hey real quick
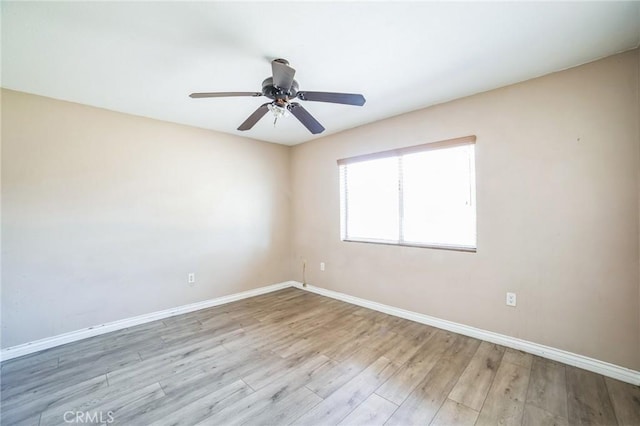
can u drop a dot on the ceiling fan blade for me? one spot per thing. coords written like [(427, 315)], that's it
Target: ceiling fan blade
[(253, 118), (282, 74), (336, 98), (305, 118), (223, 94)]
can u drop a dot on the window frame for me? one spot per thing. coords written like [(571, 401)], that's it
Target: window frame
[(398, 152)]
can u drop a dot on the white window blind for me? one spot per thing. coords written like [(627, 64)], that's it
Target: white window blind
[(419, 196)]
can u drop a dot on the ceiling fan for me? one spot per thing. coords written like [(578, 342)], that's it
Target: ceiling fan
[(283, 89)]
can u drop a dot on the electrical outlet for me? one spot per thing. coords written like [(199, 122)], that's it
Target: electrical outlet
[(511, 299), (191, 279), (322, 266)]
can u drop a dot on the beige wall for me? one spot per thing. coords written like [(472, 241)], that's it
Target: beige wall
[(104, 215), (557, 162)]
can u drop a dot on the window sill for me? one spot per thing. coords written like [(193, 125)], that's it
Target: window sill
[(467, 249)]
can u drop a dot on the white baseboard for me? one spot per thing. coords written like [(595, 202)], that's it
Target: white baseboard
[(601, 367), (61, 339)]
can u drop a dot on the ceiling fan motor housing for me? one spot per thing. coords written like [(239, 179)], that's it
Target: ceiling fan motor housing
[(278, 93)]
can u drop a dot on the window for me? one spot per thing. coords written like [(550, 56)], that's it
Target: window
[(417, 196)]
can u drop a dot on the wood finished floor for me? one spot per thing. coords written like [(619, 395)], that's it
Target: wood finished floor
[(292, 357)]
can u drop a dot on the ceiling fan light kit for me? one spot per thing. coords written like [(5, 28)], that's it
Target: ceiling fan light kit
[(282, 89)]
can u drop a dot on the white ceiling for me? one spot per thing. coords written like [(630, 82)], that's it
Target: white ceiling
[(144, 58)]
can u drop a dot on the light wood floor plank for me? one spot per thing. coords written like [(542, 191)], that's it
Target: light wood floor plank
[(339, 404), (423, 403), (204, 407), (547, 387), (101, 405), (516, 357), (52, 379), (135, 408), (505, 402), (454, 413), (475, 381), (155, 410), (341, 373), (33, 420), (401, 384), (374, 411), (588, 399), (151, 369), (24, 406), (404, 347), (626, 401), (269, 397), (29, 365), (534, 416), (223, 370), (288, 410)]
